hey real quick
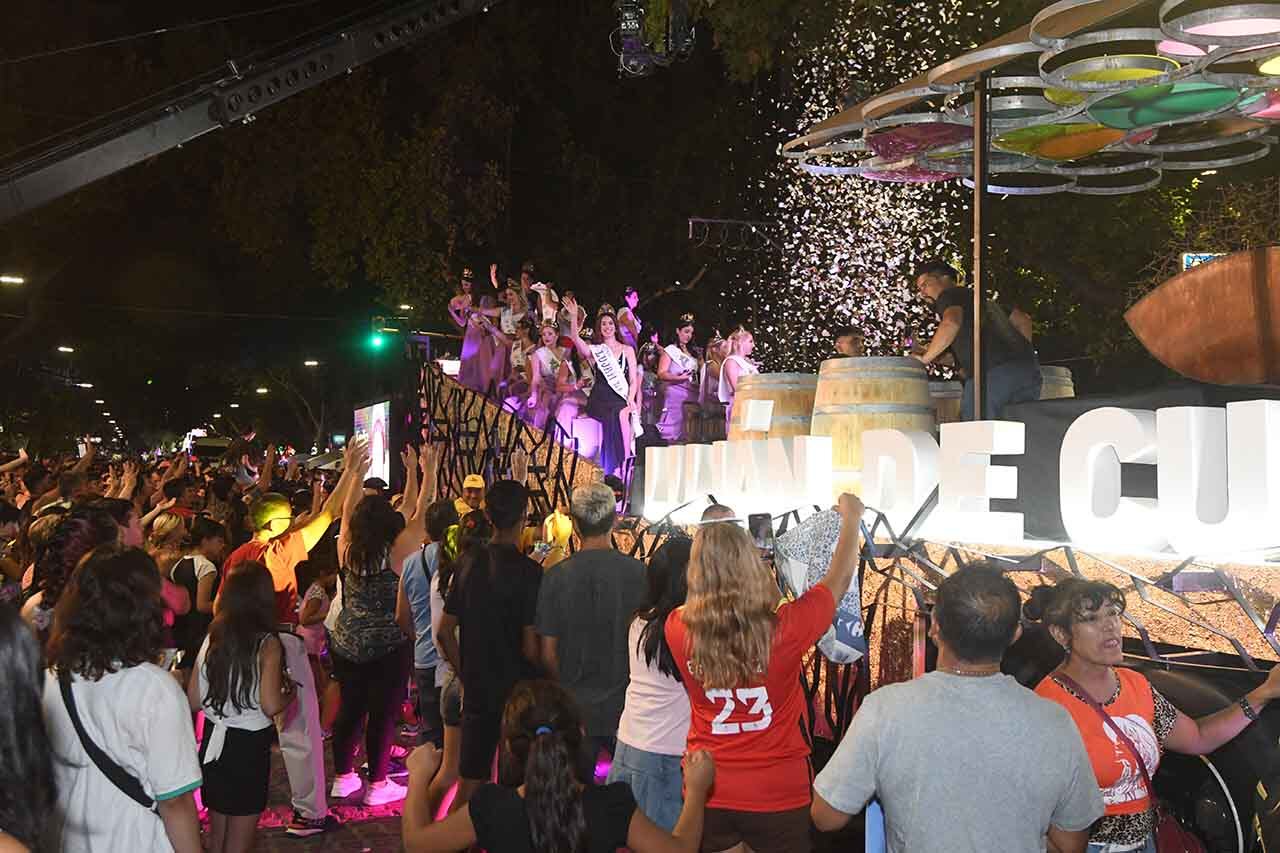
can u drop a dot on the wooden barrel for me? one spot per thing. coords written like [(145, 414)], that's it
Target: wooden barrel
[(792, 395), (946, 397), (858, 394), (1056, 382)]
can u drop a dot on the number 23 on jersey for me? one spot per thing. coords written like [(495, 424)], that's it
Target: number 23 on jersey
[(758, 711)]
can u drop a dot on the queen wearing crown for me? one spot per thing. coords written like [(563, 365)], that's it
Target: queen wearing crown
[(678, 373), (615, 395)]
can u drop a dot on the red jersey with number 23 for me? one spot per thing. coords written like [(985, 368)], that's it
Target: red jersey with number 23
[(753, 731)]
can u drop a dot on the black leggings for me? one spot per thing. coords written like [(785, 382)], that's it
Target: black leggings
[(375, 688)]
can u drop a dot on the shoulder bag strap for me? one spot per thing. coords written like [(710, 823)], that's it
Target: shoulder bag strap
[(119, 777), (1106, 718)]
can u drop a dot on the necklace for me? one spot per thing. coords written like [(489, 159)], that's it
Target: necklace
[(970, 673)]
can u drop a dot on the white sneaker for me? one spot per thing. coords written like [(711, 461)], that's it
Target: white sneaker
[(386, 791), (345, 784)]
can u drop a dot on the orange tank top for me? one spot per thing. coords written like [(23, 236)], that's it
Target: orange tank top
[(1124, 790)]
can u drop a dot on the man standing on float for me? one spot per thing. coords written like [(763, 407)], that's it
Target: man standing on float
[(1013, 371)]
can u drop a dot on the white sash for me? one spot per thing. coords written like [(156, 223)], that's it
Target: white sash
[(605, 360), (684, 361)]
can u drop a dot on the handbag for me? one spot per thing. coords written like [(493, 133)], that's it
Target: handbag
[(121, 778), (1171, 836)]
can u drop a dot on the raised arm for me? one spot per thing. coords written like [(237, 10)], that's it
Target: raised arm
[(575, 326), (268, 470), (840, 573), (355, 463), (415, 529), (15, 464), (409, 499)]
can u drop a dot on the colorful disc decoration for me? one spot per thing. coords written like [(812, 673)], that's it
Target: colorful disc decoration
[(1264, 107), (907, 139), (1164, 104), (906, 172), (1202, 134), (1130, 68), (1059, 142)]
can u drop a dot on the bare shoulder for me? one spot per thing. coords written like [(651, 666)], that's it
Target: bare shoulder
[(9, 844)]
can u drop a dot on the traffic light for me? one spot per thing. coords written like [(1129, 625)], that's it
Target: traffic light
[(376, 341)]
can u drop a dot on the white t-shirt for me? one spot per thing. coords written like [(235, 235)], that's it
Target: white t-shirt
[(203, 567), (655, 717), (248, 719), (140, 719), (443, 670), (335, 608)]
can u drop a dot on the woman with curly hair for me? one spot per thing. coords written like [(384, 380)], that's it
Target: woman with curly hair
[(551, 805), (1125, 722), (739, 655), (27, 791), (371, 654), (107, 630), (74, 536)]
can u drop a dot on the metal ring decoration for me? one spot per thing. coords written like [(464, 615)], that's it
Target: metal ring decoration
[(1124, 189), (998, 161), (822, 170), (981, 56), (1262, 149), (1201, 145), (802, 146), (1151, 163), (892, 100), (1052, 11), (1235, 79), (899, 119), (1003, 189), (1201, 116), (1053, 114), (1059, 78), (853, 146), (1180, 28)]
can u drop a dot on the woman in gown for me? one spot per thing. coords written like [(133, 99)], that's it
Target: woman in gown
[(677, 381), (616, 392), (628, 322), (483, 357), (736, 366), (550, 376), (711, 421)]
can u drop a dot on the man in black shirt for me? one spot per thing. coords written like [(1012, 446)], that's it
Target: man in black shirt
[(1013, 372), (493, 603)]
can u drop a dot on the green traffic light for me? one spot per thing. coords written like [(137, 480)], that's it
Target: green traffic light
[(376, 341)]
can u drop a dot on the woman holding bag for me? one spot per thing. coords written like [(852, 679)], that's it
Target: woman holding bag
[(1125, 723)]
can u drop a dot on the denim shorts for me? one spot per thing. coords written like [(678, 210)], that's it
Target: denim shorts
[(655, 782), (451, 701)]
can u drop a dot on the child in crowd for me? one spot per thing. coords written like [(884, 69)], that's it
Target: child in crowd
[(318, 581), (240, 685), (555, 807)]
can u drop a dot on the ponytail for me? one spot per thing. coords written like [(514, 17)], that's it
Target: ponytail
[(556, 820), (543, 745)]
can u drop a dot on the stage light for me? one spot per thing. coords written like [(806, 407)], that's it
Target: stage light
[(66, 349), (84, 384), (260, 390), (311, 362)]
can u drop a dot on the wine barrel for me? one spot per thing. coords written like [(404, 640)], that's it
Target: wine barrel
[(946, 397), (1056, 382), (792, 395), (858, 394)]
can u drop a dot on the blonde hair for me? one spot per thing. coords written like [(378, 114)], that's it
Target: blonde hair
[(736, 339), (730, 612), (166, 529)]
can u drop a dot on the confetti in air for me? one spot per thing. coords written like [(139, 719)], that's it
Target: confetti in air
[(848, 244)]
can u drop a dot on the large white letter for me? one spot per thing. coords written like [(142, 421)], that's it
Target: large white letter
[(1093, 510), (899, 470), (1219, 476), (967, 481)]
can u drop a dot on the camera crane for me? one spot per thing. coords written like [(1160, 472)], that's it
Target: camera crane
[(218, 99)]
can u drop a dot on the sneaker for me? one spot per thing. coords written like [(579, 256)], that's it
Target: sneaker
[(386, 791), (344, 785), (305, 827)]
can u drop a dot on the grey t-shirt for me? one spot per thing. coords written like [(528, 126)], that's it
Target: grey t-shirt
[(586, 603), (964, 763)]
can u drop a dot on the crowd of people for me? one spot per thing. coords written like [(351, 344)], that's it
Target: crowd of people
[(167, 625)]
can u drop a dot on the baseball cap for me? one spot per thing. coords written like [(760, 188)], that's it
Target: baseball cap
[(376, 483), (473, 481)]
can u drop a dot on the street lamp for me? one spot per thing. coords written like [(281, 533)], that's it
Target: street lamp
[(235, 405), (311, 362), (99, 402), (406, 307), (12, 279), (260, 390), (84, 384), (106, 414), (66, 349), (217, 414)]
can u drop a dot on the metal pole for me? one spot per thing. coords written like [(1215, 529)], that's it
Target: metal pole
[(981, 135)]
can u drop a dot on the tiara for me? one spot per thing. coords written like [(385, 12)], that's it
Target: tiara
[(605, 309), (686, 319), (467, 273)]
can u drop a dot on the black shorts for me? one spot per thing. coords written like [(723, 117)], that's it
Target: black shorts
[(763, 832), (480, 733), (236, 783)]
